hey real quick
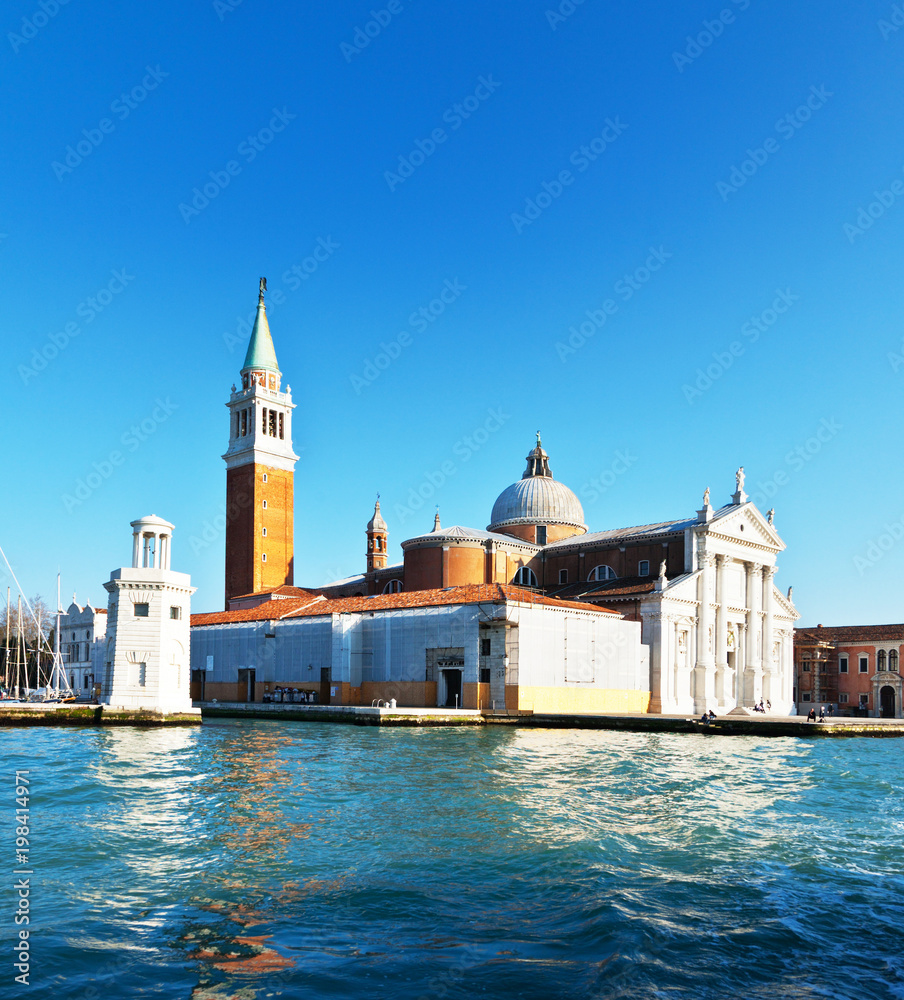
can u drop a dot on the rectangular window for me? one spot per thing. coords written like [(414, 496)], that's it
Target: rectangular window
[(142, 674), (484, 647), (643, 567), (864, 701), (563, 576), (281, 428), (265, 477), (142, 610), (265, 505), (842, 664), (806, 696), (843, 698), (805, 666), (822, 668), (484, 675), (271, 418), (244, 428), (541, 534), (864, 664), (263, 557), (175, 613), (263, 532)]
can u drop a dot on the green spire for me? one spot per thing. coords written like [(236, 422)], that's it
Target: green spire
[(261, 356)]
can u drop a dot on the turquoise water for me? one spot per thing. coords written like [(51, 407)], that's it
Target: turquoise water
[(265, 859)]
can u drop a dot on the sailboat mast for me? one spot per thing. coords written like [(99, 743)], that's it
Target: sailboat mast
[(6, 656), (18, 642)]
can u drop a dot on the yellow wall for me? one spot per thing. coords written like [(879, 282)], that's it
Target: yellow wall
[(574, 700)]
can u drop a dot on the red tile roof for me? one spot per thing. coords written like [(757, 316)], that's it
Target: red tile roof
[(284, 591), (850, 635), (472, 594)]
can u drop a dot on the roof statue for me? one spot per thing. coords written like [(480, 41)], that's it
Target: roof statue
[(739, 478), (662, 568), (706, 497), (770, 515)]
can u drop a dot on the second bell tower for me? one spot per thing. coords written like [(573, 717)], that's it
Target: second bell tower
[(260, 469)]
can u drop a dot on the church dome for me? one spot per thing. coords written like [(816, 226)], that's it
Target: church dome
[(537, 498)]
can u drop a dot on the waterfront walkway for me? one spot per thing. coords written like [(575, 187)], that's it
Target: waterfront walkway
[(727, 725)]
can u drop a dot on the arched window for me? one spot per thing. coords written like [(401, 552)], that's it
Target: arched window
[(393, 587), (602, 573), (880, 660), (892, 659), (525, 577)]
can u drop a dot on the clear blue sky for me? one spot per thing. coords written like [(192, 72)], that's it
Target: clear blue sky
[(304, 137)]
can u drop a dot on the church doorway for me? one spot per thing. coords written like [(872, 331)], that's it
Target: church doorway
[(452, 685), (887, 702)]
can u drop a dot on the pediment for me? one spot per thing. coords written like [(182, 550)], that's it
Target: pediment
[(746, 526)]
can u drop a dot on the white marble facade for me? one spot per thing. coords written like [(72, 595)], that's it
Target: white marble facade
[(721, 634)]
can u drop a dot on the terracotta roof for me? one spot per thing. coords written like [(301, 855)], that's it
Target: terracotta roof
[(592, 590), (472, 594), (285, 591), (850, 635)]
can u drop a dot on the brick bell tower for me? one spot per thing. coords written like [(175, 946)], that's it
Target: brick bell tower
[(260, 466)]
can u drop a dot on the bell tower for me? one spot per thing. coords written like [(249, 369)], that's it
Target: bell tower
[(377, 539), (260, 469)]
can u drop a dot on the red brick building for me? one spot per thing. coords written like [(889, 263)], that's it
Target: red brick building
[(853, 668)]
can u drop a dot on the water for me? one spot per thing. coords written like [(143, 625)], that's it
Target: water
[(265, 859)]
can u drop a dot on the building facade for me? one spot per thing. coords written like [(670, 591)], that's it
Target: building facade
[(482, 647), (83, 643), (855, 669)]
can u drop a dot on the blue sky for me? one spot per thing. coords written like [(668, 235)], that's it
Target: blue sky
[(717, 197)]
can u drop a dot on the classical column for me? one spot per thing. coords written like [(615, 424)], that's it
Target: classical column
[(704, 687), (721, 632), (136, 549), (753, 666), (770, 685)]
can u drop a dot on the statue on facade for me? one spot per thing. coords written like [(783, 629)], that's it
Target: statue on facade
[(770, 515), (706, 497), (790, 593), (739, 479), (662, 569)]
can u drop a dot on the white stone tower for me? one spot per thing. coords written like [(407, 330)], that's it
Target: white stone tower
[(148, 626)]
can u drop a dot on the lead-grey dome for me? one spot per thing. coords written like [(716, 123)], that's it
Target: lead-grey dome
[(537, 498)]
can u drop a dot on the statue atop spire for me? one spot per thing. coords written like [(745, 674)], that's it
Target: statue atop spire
[(537, 462), (263, 288)]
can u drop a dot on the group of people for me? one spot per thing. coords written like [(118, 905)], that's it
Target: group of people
[(760, 707), (823, 714), (291, 694)]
